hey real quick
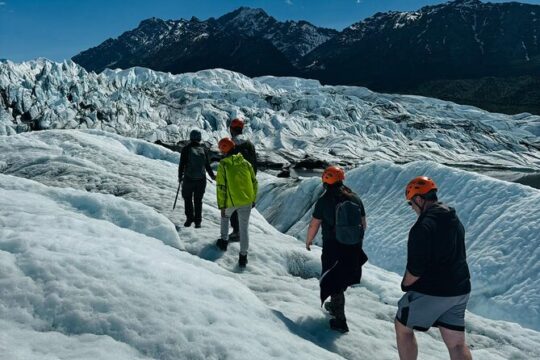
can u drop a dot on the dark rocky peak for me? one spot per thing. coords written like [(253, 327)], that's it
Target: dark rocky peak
[(461, 3), (248, 20)]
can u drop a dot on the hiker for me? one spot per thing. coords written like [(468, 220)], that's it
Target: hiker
[(247, 149), (236, 190), (437, 280), (194, 164), (343, 218)]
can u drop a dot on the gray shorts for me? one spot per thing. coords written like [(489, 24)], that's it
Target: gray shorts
[(420, 311)]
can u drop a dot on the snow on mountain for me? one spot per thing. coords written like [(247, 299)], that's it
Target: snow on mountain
[(83, 279), (501, 219), (289, 119)]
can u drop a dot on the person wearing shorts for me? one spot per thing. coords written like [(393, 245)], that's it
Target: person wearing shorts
[(437, 279)]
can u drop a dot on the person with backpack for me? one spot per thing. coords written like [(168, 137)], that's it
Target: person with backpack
[(342, 216), (247, 149), (437, 279), (236, 190), (194, 164)]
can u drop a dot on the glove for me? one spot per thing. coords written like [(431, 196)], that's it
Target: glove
[(180, 178), (213, 177), (252, 205)]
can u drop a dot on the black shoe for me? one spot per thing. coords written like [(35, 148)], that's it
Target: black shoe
[(188, 223), (242, 261), (234, 237), (197, 225), (330, 308), (339, 325), (222, 244)]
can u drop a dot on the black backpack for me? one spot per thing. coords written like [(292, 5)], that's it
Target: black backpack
[(348, 225), (247, 149), (196, 162)]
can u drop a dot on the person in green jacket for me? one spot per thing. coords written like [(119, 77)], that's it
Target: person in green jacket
[(236, 189)]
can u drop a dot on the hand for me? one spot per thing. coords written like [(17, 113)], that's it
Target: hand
[(213, 177), (309, 242), (222, 212)]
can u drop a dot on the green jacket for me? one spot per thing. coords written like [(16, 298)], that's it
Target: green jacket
[(236, 184)]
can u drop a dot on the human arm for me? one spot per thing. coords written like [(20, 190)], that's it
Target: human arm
[(408, 279), (221, 187), (253, 156), (209, 169), (255, 184), (312, 231), (418, 255), (183, 162)]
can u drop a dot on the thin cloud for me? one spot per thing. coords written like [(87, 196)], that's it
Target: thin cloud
[(289, 2), (2, 3)]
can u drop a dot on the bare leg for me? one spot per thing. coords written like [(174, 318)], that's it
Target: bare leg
[(406, 342), (455, 342)]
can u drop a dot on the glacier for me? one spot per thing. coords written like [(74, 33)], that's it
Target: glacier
[(289, 119), (93, 267)]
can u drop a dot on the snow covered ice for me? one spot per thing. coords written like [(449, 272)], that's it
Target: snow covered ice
[(91, 266)]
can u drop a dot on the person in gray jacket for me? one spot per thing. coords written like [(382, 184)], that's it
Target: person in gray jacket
[(194, 164)]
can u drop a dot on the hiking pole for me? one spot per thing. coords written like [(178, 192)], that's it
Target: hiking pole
[(177, 191)]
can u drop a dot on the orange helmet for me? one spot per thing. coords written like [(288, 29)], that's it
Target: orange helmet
[(225, 145), (420, 185), (237, 123), (333, 174)]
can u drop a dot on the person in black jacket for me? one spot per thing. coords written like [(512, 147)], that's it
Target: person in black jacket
[(247, 149), (341, 264), (194, 164), (437, 278)]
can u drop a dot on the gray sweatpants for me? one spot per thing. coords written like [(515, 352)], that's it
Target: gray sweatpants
[(243, 222)]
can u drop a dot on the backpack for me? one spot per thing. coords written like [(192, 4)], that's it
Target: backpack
[(348, 224), (248, 152), (196, 163)]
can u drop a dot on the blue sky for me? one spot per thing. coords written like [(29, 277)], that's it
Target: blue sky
[(59, 29)]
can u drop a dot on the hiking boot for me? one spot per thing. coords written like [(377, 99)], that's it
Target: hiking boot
[(197, 225), (222, 244), (242, 261), (328, 306), (234, 237), (188, 223), (339, 325)]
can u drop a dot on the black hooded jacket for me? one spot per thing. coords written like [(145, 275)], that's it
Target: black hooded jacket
[(341, 264), (436, 253)]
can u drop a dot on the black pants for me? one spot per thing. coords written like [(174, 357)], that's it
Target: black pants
[(338, 304), (234, 222), (193, 192)]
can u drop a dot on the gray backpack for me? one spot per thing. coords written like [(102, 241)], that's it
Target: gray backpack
[(348, 226), (195, 167)]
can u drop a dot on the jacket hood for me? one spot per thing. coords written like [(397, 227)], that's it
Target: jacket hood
[(441, 211), (233, 159)]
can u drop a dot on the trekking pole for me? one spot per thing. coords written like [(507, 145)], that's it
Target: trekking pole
[(177, 191)]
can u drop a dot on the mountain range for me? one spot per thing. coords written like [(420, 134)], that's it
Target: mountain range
[(476, 53)]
